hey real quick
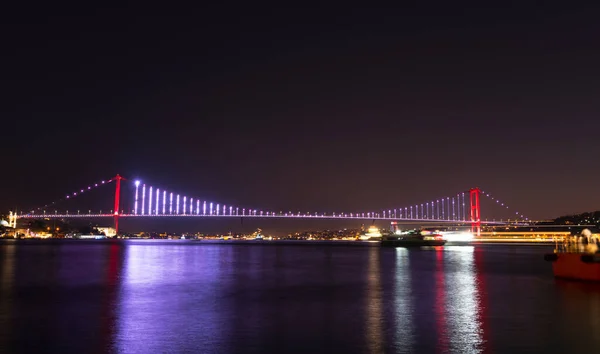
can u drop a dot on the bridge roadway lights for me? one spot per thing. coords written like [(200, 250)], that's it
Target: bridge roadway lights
[(328, 217)]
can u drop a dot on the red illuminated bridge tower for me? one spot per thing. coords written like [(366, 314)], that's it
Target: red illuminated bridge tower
[(117, 180), (475, 211)]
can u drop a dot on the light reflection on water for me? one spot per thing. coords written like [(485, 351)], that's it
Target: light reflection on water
[(374, 305), (170, 295), (441, 314), (403, 319), (461, 302)]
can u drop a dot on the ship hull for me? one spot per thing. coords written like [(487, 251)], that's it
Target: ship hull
[(412, 243), (575, 266)]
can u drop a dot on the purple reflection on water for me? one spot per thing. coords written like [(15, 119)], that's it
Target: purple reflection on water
[(170, 299)]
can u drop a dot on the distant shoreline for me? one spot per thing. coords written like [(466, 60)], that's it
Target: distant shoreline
[(252, 242)]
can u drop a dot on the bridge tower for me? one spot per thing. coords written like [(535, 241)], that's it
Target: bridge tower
[(117, 180), (475, 211)]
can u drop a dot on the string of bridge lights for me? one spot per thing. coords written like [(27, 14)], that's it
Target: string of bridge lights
[(155, 201), (151, 201), (74, 194), (445, 208), (500, 203)]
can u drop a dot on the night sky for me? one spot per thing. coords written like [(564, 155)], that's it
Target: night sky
[(314, 109)]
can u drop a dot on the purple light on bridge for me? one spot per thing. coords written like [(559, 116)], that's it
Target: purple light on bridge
[(457, 207), (184, 204), (210, 210), (177, 205), (217, 209), (164, 200), (230, 210), (243, 211), (204, 208), (191, 206), (443, 208), (198, 207), (453, 210), (143, 197), (157, 198), (224, 210), (135, 207), (150, 201), (171, 203), (237, 211)]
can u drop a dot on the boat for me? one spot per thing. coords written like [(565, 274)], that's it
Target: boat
[(372, 234), (576, 261), (257, 236), (412, 238)]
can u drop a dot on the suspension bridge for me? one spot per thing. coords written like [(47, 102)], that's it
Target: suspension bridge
[(150, 201)]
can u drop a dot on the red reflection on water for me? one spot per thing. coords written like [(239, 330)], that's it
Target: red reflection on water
[(482, 301), (440, 301), (114, 266)]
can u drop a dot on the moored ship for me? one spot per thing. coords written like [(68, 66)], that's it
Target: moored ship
[(412, 238), (577, 259)]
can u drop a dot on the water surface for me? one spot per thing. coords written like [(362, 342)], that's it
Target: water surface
[(186, 296)]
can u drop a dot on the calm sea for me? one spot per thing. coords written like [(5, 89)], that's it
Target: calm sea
[(194, 297)]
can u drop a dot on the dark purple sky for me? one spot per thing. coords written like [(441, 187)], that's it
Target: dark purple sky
[(325, 109)]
